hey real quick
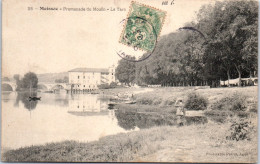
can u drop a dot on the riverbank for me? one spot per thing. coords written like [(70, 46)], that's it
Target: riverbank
[(204, 143), (197, 142)]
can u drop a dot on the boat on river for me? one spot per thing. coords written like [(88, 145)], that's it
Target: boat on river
[(32, 98)]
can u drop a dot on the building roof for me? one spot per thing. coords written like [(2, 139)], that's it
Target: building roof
[(89, 70)]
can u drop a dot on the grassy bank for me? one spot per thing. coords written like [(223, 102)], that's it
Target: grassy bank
[(190, 143), (197, 142), (167, 96)]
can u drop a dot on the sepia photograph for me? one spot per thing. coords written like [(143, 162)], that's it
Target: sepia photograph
[(129, 81)]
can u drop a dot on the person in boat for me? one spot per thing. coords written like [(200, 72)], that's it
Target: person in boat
[(180, 112)]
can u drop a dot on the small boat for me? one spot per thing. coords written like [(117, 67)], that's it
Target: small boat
[(112, 104), (34, 98)]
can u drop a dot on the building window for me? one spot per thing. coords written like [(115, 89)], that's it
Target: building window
[(84, 86), (112, 73), (78, 77), (78, 85), (84, 77)]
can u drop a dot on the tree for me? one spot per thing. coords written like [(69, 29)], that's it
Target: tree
[(30, 80), (18, 82), (125, 71), (231, 28), (6, 87), (223, 46)]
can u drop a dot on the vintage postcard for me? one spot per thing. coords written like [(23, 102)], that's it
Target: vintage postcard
[(129, 81)]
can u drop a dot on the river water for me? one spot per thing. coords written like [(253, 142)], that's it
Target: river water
[(57, 117), (79, 117)]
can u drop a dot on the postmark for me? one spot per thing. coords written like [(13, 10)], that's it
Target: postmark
[(142, 27)]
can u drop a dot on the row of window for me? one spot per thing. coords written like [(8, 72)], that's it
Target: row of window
[(84, 81), (89, 76), (85, 86)]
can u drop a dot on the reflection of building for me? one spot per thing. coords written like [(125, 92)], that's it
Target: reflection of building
[(85, 79), (88, 105)]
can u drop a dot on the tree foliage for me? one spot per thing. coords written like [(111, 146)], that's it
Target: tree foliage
[(125, 71), (225, 49), (30, 80)]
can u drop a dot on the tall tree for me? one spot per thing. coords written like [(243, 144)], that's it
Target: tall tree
[(231, 27), (125, 71), (30, 80), (223, 46)]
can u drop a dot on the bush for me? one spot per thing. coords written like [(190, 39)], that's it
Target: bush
[(241, 131), (234, 103), (108, 86), (113, 85), (103, 86), (219, 116), (253, 108), (196, 102), (144, 101), (170, 101)]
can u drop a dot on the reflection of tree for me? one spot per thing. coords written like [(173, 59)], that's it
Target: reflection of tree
[(30, 105), (126, 120), (130, 120), (196, 120), (23, 96), (62, 102), (6, 96)]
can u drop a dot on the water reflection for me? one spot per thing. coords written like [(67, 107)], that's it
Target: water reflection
[(5, 96), (23, 97), (57, 117), (89, 105), (71, 117), (130, 120)]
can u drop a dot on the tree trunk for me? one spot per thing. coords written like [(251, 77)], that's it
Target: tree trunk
[(228, 77), (239, 75), (239, 80)]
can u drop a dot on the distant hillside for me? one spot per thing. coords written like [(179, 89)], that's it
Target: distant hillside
[(51, 77)]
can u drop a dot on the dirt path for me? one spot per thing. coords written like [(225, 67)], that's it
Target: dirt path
[(190, 144)]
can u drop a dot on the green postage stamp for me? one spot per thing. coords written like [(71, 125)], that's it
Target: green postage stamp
[(142, 27)]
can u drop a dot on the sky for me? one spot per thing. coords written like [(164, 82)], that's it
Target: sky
[(58, 41)]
